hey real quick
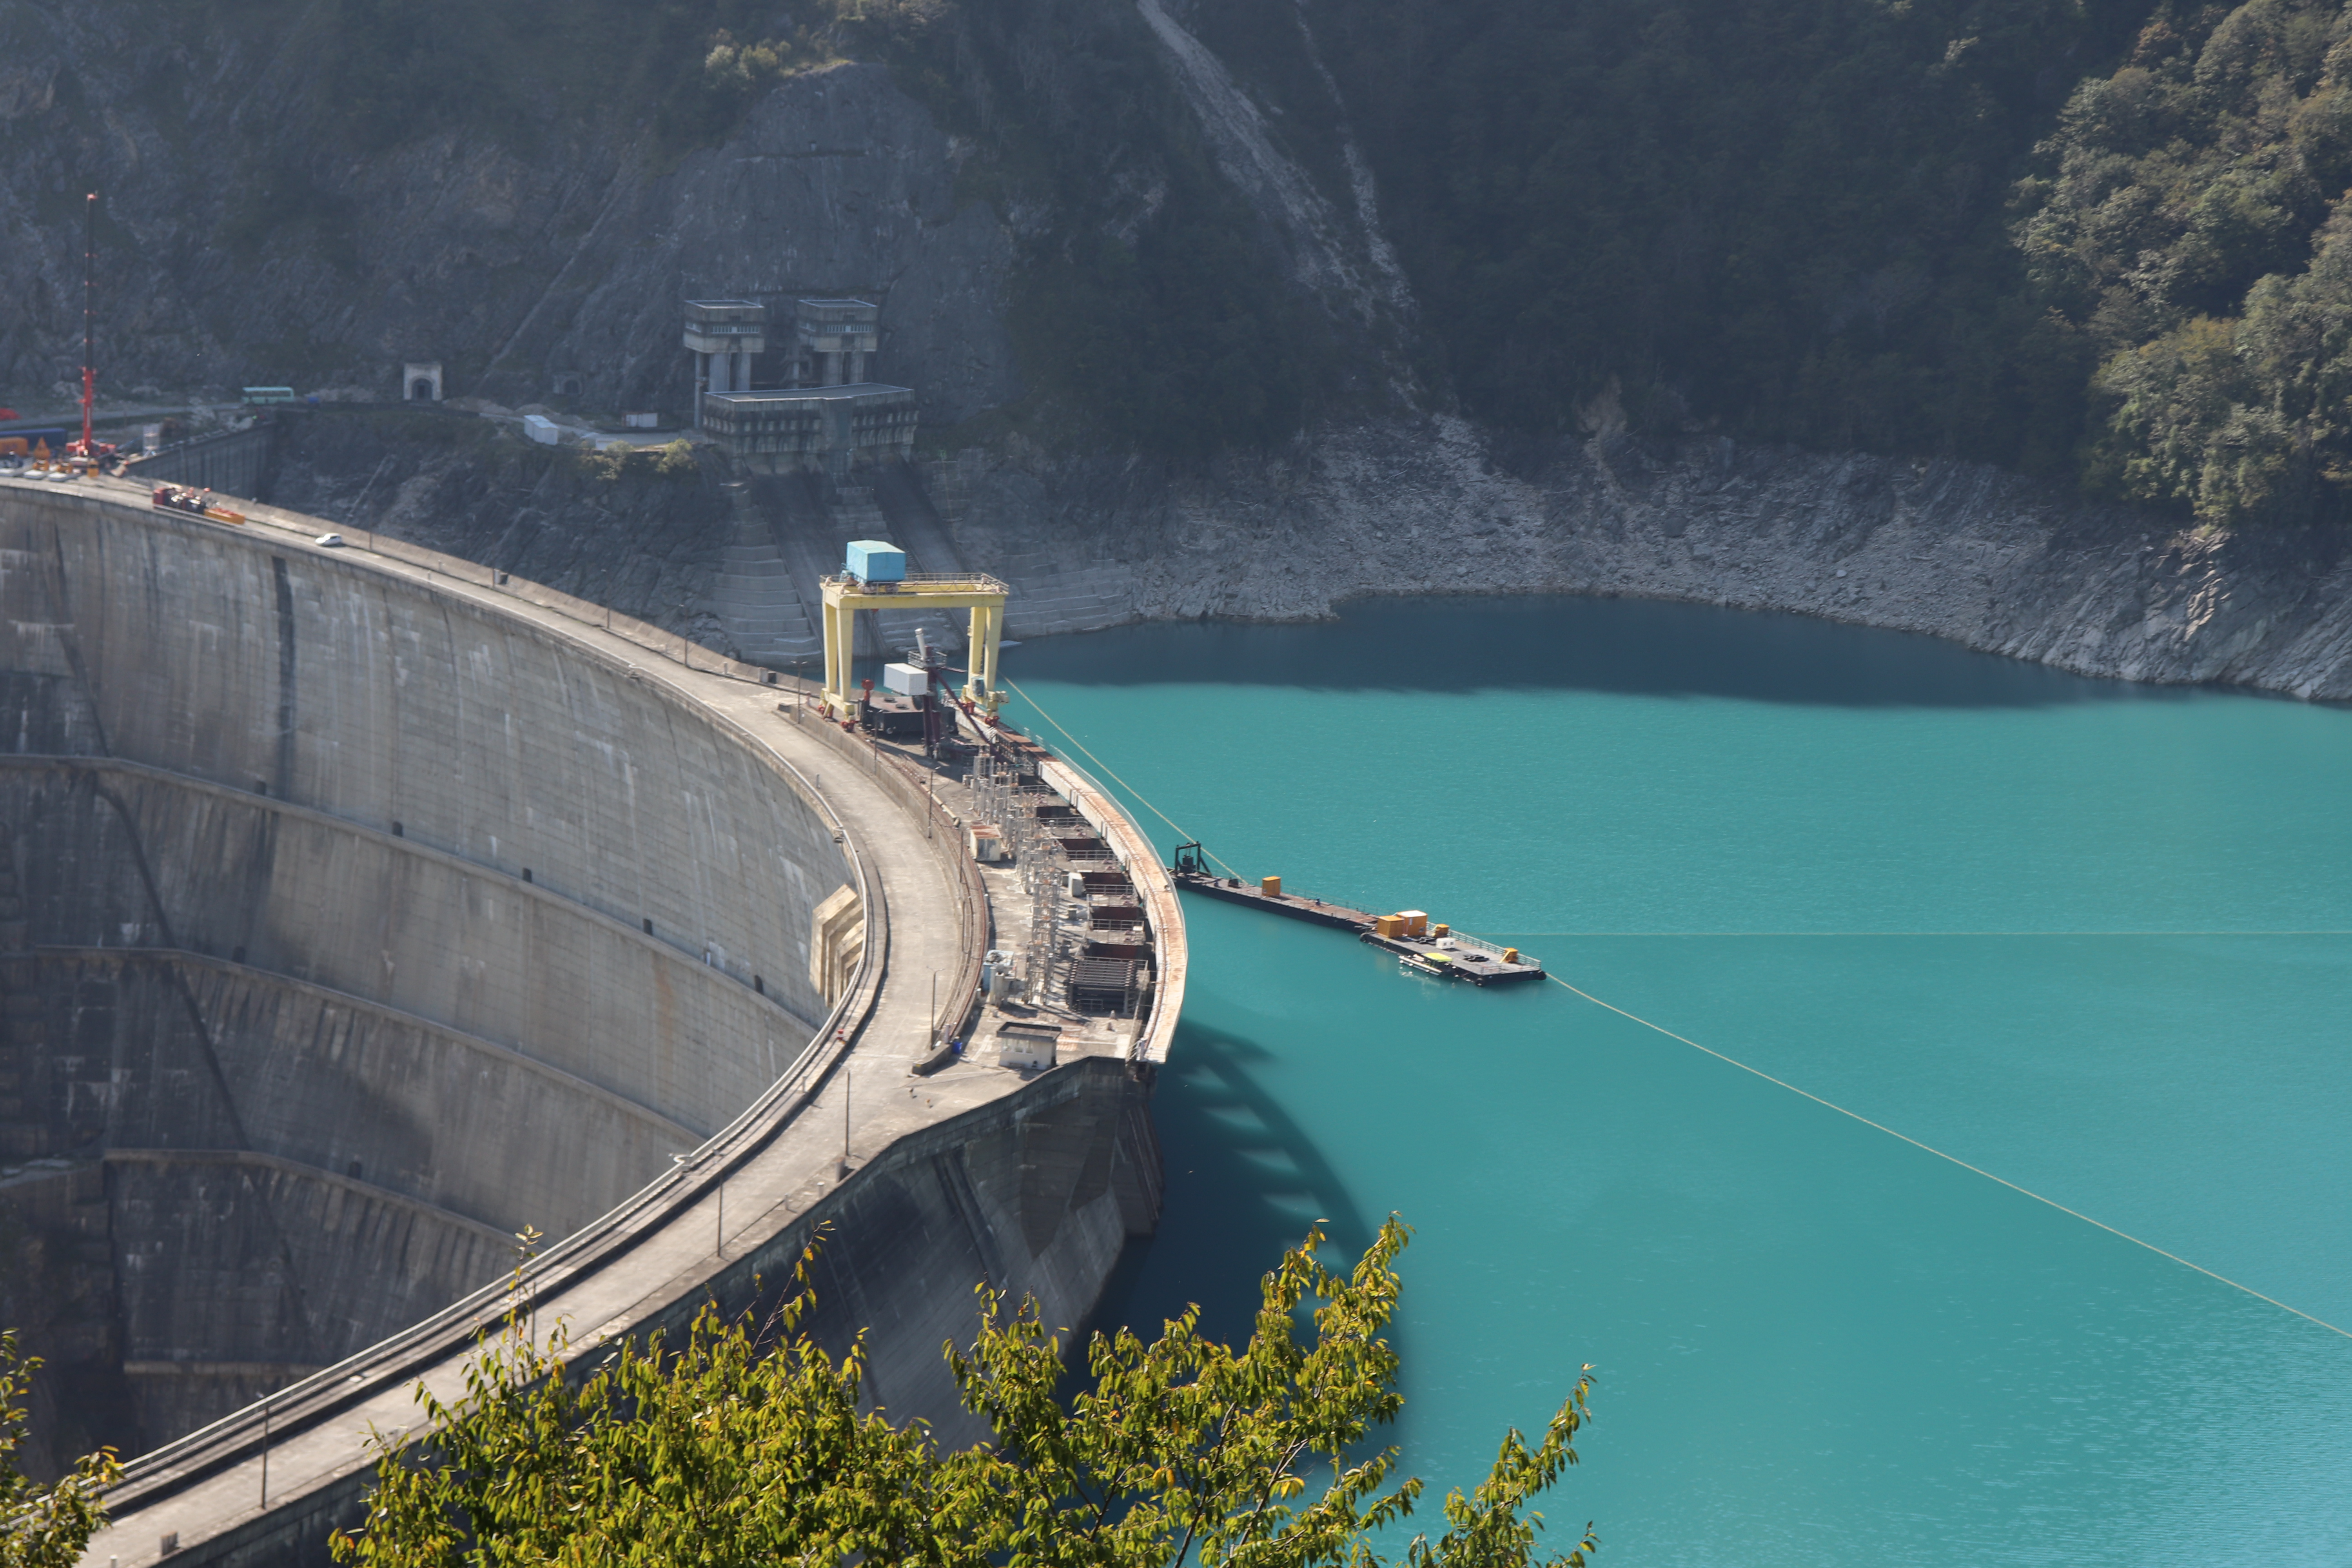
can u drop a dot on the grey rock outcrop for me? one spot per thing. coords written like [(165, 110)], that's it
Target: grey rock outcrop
[(839, 184), (1953, 550)]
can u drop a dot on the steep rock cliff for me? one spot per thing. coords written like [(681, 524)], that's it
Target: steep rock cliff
[(229, 253), (1953, 550)]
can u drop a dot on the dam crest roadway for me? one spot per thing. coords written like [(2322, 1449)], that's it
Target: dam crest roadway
[(362, 908)]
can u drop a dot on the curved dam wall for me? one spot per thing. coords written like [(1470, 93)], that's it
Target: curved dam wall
[(1036, 1192), (346, 929)]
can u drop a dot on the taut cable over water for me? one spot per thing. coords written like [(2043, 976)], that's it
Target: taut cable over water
[(1653, 935), (1783, 1083), (1016, 689), (1955, 1159)]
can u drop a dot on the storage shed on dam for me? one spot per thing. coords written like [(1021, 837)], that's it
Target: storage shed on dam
[(358, 910)]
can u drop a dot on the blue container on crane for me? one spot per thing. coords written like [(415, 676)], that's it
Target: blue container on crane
[(875, 560)]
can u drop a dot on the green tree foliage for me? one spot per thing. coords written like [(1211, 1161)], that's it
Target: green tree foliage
[(735, 1449), (670, 460), (2190, 230), (42, 1527)]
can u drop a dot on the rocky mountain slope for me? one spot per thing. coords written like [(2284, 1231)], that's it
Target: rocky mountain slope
[(519, 258), (511, 267), (1954, 550)]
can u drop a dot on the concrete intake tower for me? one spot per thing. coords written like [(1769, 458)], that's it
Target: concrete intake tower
[(361, 908)]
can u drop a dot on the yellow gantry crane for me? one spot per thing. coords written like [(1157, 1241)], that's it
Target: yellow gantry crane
[(875, 577)]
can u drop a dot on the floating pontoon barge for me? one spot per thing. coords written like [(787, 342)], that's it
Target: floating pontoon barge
[(1420, 947)]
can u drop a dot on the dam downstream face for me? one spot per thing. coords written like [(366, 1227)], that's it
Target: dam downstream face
[(347, 929), (2093, 939)]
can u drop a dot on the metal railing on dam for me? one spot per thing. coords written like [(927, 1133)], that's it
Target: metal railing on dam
[(383, 734)]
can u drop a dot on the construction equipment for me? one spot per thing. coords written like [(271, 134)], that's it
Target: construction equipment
[(875, 577)]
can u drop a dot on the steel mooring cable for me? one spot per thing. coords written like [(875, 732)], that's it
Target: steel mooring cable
[(1016, 689), (1954, 1158), (1844, 935), (1783, 1083)]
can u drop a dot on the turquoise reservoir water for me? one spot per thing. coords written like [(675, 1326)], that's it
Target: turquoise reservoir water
[(2087, 936)]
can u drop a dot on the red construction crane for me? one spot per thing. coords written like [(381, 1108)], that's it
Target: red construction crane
[(84, 448)]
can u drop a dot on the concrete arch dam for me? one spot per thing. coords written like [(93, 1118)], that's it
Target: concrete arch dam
[(359, 910)]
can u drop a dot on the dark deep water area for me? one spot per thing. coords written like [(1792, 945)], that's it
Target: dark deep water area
[(2092, 937)]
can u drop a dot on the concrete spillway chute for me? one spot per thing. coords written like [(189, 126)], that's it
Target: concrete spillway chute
[(875, 578)]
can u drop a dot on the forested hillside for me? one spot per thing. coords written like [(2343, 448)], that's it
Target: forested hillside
[(1789, 217), (2094, 240), (2188, 224)]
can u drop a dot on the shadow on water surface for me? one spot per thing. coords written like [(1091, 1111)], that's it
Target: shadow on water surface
[(1243, 1182), (1559, 642)]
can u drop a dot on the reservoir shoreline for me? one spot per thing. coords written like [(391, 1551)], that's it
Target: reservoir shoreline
[(1414, 505), (1990, 560)]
